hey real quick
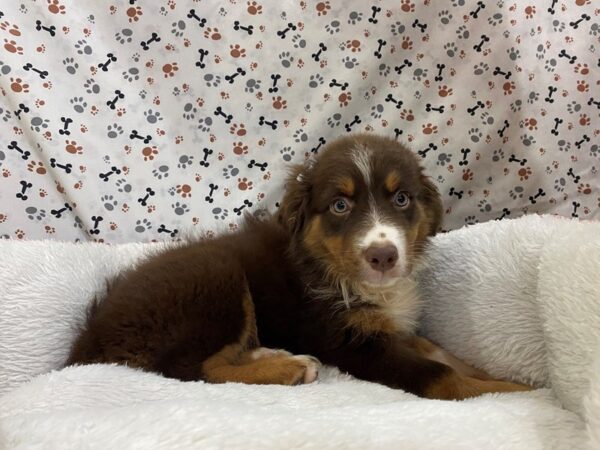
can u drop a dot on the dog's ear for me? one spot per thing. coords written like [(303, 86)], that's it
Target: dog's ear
[(294, 206), (432, 203)]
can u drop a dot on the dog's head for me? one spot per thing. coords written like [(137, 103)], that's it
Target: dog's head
[(362, 209)]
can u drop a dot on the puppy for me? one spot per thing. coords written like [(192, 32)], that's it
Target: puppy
[(328, 277)]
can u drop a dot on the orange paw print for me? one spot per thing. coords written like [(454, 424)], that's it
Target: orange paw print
[(429, 128), (531, 123), (444, 91), (17, 85), (582, 86), (584, 189), (73, 148), (254, 8), (467, 175), (508, 87), (524, 173), (212, 33), (239, 148), (407, 115), (185, 190), (244, 184), (55, 7), (12, 47), (344, 98), (236, 51), (529, 11), (239, 130), (583, 69), (322, 8), (279, 103), (407, 6), (134, 13), (353, 45), (37, 167), (20, 234), (170, 69), (149, 153), (584, 120), (2, 218), (407, 43), (12, 29)]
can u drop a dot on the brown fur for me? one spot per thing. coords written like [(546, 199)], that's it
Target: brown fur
[(202, 310)]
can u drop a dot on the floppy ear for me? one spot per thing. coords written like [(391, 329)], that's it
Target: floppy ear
[(294, 206), (432, 203)]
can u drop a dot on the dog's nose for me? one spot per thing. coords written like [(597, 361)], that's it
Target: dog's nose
[(382, 258)]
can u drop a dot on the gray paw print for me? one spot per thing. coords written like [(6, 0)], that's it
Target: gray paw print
[(180, 208), (230, 171), (443, 159), (335, 120), (445, 17), (205, 123), (220, 213), (132, 74), (471, 220), (354, 17), (540, 51), (315, 80), (349, 63), (456, 3), (498, 155), (594, 150), (550, 65), (83, 47), (333, 26), (70, 65), (114, 130), (4, 68), (135, 57), (533, 97), (123, 185), (91, 87), (37, 123), (573, 107), (377, 110), (419, 74), (475, 134), (486, 118), (397, 28), (563, 146), (516, 105), (287, 153), (125, 35), (300, 136), (286, 59), (481, 68), (462, 32), (109, 202), (451, 49), (527, 140), (143, 94), (557, 25), (513, 53), (384, 70), (189, 111), (595, 29), (212, 80), (35, 214), (516, 192), (5, 114), (79, 104), (152, 116), (185, 161), (298, 41), (484, 206), (495, 19), (560, 184), (178, 28), (161, 172), (142, 225), (252, 85)]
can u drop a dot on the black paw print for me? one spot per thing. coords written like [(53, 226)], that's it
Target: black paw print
[(114, 130), (108, 202), (180, 208), (142, 225), (287, 153), (161, 172), (79, 104), (315, 81)]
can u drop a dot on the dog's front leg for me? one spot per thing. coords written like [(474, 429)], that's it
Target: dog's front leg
[(391, 360)]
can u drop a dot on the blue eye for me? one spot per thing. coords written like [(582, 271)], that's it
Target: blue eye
[(401, 199), (339, 206)]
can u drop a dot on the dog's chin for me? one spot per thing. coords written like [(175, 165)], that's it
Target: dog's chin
[(374, 279)]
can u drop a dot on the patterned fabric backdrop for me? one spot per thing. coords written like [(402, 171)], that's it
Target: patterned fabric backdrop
[(136, 120)]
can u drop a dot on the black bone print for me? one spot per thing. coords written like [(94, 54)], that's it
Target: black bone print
[(192, 15), (551, 9), (551, 90), (557, 122), (231, 78), (59, 212), (135, 135), (576, 205), (419, 25), (533, 198), (153, 38), (505, 213), (456, 193), (576, 23), (22, 108), (112, 104), (430, 147), (144, 200), (219, 112), (261, 166), (65, 129), (248, 29), (506, 74), (390, 98), (355, 121), (576, 178), (584, 138), (440, 68), (563, 54), (479, 46), (110, 58), (96, 219), (274, 77), (374, 11), (513, 158), (24, 186), (380, 44), (203, 54), (405, 63), (397, 133), (321, 143), (51, 29), (429, 107), (113, 170), (163, 229), (262, 121), (207, 152), (475, 14), (317, 56), (14, 145), (66, 167), (505, 127), (473, 109), (335, 83), (42, 73), (591, 102), (238, 210), (282, 33), (209, 198), (465, 152)]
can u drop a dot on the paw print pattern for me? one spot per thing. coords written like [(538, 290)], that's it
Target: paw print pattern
[(222, 105)]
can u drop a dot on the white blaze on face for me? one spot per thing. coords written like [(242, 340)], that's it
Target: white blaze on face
[(361, 156)]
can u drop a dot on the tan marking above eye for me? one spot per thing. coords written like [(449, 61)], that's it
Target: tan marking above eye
[(392, 181), (346, 186)]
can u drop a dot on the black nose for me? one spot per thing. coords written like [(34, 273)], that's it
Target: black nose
[(382, 258)]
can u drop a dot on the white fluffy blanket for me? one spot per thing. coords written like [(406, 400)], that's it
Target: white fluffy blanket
[(519, 298)]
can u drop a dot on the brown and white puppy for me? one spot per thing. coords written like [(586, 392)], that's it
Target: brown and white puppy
[(328, 277)]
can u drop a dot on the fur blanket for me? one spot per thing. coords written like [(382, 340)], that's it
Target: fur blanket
[(519, 298)]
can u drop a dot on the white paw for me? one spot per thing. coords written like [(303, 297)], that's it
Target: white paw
[(312, 365), (264, 352)]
